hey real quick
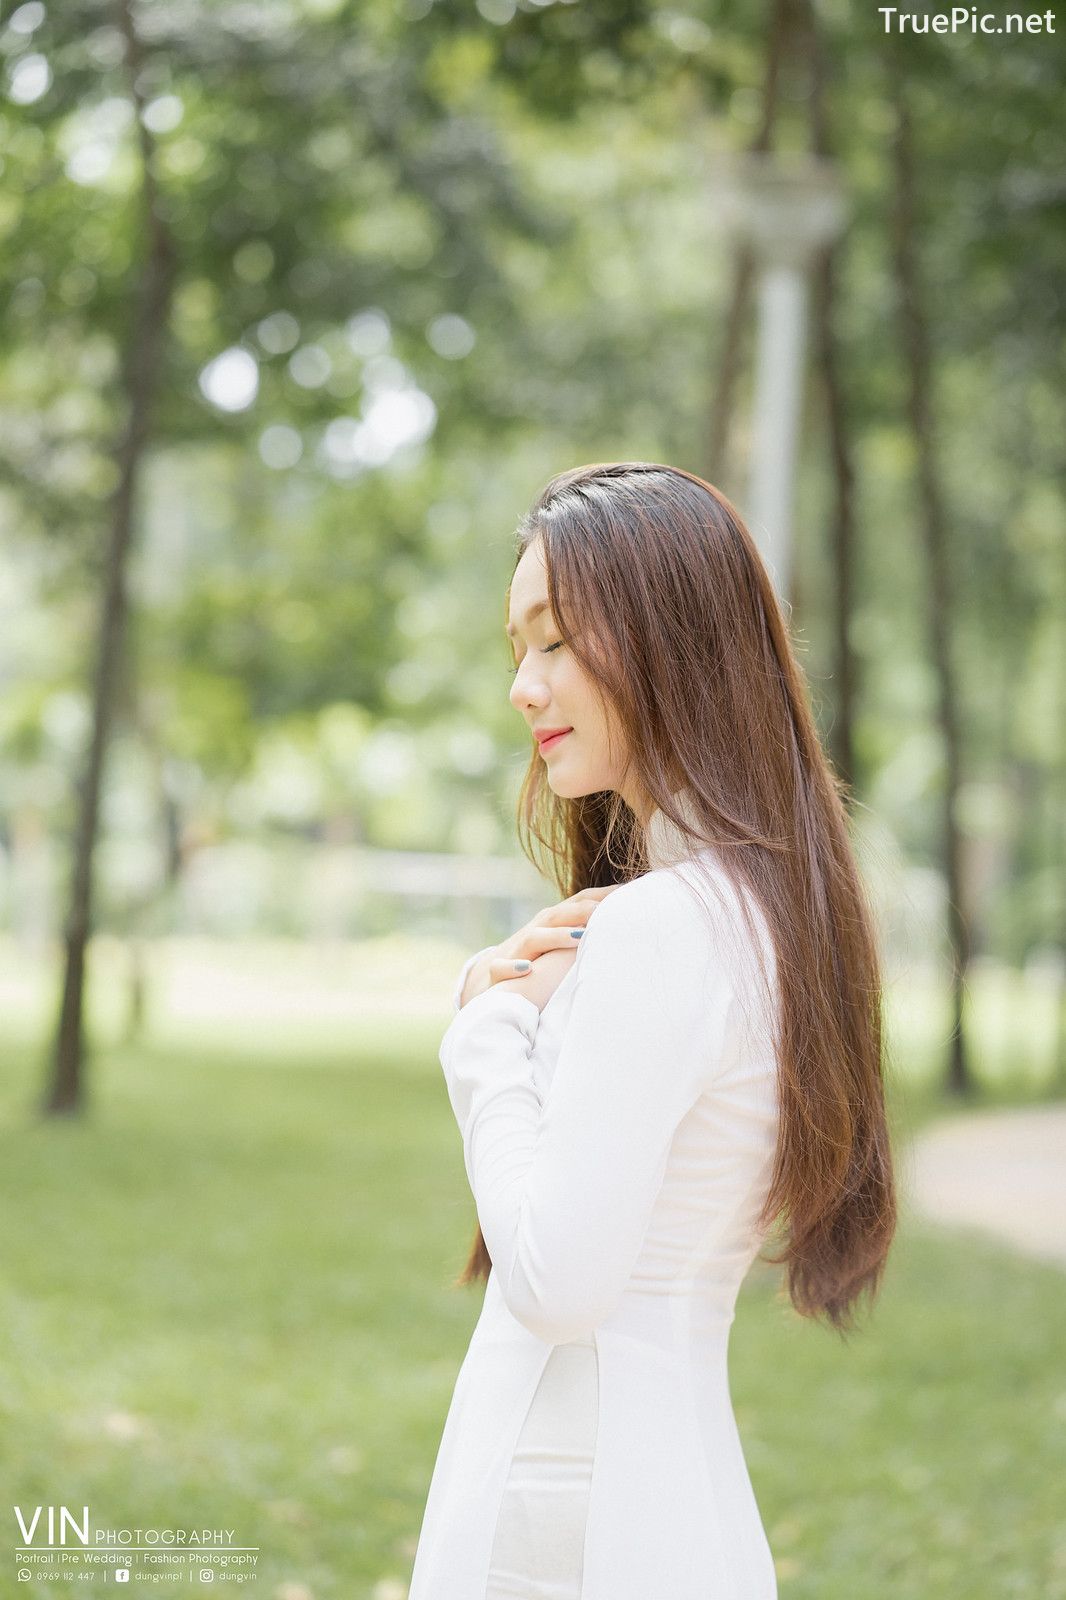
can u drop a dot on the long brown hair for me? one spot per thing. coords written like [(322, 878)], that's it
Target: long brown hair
[(681, 633)]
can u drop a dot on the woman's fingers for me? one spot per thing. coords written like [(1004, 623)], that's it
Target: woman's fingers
[(519, 965), (528, 945), (558, 927), (571, 913), (500, 969), (536, 940), (579, 907)]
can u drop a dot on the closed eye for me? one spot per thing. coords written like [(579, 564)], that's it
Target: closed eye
[(545, 652)]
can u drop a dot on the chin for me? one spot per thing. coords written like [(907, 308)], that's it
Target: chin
[(567, 787)]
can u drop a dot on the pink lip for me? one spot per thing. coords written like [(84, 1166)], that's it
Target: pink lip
[(546, 744)]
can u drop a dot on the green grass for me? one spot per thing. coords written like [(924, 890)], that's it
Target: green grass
[(226, 1303)]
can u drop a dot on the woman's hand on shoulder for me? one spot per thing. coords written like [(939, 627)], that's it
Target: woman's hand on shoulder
[(548, 941)]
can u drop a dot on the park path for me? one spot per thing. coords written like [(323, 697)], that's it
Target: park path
[(1001, 1172)]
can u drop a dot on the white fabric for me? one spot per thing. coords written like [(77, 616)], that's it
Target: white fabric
[(540, 1532), (618, 1146)]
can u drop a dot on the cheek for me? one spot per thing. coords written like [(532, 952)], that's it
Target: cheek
[(572, 692), (579, 701)]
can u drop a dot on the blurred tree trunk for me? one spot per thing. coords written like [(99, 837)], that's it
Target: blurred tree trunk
[(914, 328), (172, 858), (736, 317), (140, 379), (827, 354)]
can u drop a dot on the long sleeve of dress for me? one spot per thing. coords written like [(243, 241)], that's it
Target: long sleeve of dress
[(564, 1191)]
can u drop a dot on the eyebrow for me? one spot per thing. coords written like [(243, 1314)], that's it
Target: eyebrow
[(534, 611)]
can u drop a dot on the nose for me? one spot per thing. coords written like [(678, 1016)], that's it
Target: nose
[(528, 687)]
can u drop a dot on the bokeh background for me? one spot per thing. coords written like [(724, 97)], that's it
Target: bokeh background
[(302, 302)]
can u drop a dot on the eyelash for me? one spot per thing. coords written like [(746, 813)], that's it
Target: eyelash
[(545, 652)]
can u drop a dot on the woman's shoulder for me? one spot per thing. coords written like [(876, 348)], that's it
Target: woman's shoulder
[(694, 903), (665, 901), (669, 888), (658, 889)]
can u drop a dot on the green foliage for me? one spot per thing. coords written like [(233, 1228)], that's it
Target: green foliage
[(452, 250)]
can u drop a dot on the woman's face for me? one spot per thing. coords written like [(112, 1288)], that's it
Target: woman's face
[(551, 691)]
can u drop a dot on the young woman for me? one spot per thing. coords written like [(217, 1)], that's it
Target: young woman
[(649, 1074)]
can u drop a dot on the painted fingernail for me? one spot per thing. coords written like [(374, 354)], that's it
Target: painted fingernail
[(522, 966), (575, 933)]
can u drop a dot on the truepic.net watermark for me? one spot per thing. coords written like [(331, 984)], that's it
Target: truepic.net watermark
[(53, 1545), (966, 19)]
